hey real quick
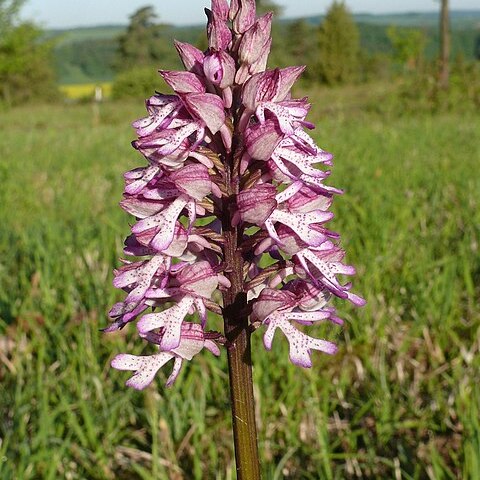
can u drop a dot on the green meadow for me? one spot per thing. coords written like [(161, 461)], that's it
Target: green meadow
[(401, 399)]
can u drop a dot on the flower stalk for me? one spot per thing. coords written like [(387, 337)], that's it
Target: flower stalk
[(237, 332), (241, 387)]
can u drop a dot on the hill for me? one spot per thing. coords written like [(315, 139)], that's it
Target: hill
[(460, 19), (86, 54), (80, 34)]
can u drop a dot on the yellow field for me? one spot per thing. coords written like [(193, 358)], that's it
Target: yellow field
[(85, 90)]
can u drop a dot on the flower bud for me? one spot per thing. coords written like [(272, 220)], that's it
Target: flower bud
[(219, 68), (191, 57), (261, 63), (255, 39), (219, 35), (220, 8), (242, 14)]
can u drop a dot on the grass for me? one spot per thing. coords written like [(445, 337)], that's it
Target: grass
[(400, 400)]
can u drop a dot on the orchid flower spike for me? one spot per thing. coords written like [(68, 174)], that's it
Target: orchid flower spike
[(231, 177)]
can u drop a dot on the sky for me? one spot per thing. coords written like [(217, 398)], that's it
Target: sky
[(70, 13)]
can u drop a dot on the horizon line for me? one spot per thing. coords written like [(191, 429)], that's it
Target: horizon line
[(186, 25)]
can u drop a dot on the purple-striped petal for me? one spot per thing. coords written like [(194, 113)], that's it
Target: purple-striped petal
[(206, 107), (262, 139), (183, 82), (242, 14), (191, 57)]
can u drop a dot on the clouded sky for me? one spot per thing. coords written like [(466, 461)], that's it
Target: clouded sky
[(68, 13)]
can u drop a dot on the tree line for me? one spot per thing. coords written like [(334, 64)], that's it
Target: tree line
[(25, 61), (337, 51)]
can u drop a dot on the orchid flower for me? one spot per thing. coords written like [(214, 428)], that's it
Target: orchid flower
[(231, 176)]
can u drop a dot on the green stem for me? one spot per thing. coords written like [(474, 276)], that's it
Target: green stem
[(237, 332), (240, 370)]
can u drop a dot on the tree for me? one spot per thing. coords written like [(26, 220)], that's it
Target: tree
[(8, 14), (408, 46), (144, 43), (140, 82), (86, 61), (444, 45), (301, 45), (264, 6), (339, 45), (26, 71)]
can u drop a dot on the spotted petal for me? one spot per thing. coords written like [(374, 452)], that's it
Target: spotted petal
[(300, 343), (163, 223), (171, 320), (302, 224), (145, 367)]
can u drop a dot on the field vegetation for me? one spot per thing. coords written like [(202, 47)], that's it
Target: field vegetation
[(400, 400)]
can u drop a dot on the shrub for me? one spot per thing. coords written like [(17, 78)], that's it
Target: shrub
[(136, 83)]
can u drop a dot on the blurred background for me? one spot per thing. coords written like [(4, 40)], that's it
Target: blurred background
[(395, 90)]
